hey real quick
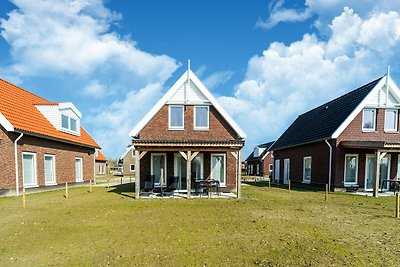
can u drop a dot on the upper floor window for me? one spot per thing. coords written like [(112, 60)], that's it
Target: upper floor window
[(391, 120), (201, 117), (176, 120), (369, 119), (68, 123)]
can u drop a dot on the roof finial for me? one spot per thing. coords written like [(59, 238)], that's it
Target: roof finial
[(387, 84)]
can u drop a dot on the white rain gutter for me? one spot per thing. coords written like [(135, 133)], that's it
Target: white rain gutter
[(16, 164), (330, 166)]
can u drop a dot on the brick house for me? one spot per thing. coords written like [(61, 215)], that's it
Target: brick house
[(128, 162), (351, 142), (42, 143), (101, 164), (187, 136), (260, 160)]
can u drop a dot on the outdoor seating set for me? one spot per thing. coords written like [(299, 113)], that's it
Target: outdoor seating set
[(200, 187)]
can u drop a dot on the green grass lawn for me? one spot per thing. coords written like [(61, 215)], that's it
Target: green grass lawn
[(267, 227)]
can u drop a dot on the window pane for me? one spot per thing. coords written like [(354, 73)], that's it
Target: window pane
[(369, 119), (49, 169), (218, 168), (176, 114), (307, 169), (78, 169), (201, 117), (351, 169), (29, 172), (390, 119), (132, 167), (64, 121), (73, 125)]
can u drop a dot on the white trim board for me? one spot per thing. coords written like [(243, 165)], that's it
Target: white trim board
[(5, 123), (178, 84)]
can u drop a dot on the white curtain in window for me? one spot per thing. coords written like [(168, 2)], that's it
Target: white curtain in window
[(176, 116), (29, 172), (201, 116), (48, 169)]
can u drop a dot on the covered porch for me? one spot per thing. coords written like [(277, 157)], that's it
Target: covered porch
[(377, 163), (187, 168)]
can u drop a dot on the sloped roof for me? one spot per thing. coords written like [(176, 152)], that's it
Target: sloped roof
[(18, 112), (193, 78), (100, 156), (322, 122), (267, 149)]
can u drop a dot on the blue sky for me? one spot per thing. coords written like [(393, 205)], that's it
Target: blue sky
[(266, 61)]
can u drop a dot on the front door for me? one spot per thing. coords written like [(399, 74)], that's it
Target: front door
[(370, 171), (286, 170)]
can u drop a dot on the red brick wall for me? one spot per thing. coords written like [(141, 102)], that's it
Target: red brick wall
[(157, 128), (64, 156), (128, 160), (269, 159)]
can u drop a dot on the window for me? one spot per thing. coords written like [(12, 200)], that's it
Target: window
[(369, 118), (306, 169), (49, 169), (78, 170), (29, 169), (391, 120), (73, 124), (69, 124), (351, 169), (277, 170), (132, 167), (271, 167), (176, 117), (218, 168), (258, 169), (201, 117), (64, 122)]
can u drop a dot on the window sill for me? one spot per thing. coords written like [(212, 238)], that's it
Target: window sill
[(350, 184), (31, 185), (369, 131), (50, 184), (306, 182), (176, 129), (79, 181), (391, 131), (202, 129)]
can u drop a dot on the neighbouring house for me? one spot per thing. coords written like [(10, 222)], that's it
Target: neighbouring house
[(351, 142), (128, 162), (188, 137), (42, 143), (260, 160), (101, 163)]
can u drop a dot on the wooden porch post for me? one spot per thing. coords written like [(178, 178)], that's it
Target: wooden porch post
[(137, 174), (377, 173), (239, 174), (188, 172)]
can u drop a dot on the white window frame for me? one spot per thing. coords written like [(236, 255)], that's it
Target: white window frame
[(286, 172), (271, 167), (258, 169), (304, 170), (345, 167), (35, 184), (76, 178), (396, 120), (130, 167), (165, 164), (54, 169), (183, 118), (277, 170), (68, 129), (225, 167), (362, 126), (208, 118)]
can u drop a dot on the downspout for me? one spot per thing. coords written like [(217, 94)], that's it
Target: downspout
[(330, 166), (16, 164)]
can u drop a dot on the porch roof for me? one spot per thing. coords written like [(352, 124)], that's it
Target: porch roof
[(381, 145), (171, 143)]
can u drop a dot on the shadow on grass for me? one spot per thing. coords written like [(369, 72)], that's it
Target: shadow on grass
[(126, 190), (294, 186)]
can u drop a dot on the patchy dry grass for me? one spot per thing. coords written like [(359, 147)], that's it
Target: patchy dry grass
[(268, 227)]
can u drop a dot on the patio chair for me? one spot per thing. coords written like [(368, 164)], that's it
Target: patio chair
[(174, 185), (149, 184), (214, 184)]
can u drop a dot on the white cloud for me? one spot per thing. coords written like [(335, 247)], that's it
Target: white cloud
[(217, 78), (96, 90), (287, 80)]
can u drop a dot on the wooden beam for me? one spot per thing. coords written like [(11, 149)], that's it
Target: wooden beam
[(183, 154), (137, 174), (194, 155), (176, 149), (377, 173), (235, 154), (188, 173), (142, 154), (383, 154)]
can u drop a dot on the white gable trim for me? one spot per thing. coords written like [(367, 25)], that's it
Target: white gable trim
[(126, 152), (266, 154), (5, 123), (363, 103), (157, 107)]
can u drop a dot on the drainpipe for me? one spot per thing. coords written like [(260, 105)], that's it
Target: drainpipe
[(16, 164), (330, 166)]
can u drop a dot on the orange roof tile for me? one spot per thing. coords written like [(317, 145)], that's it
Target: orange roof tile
[(100, 156), (18, 106)]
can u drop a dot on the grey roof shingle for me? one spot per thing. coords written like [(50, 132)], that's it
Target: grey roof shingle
[(321, 122), (267, 147)]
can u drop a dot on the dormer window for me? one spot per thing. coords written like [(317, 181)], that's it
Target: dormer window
[(176, 118), (369, 119), (201, 117), (69, 124)]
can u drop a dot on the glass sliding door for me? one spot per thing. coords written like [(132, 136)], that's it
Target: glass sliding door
[(370, 172), (158, 162), (180, 170), (351, 169), (277, 170), (286, 170), (218, 168)]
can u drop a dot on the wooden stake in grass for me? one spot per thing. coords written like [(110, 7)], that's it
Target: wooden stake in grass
[(23, 198), (66, 189), (269, 183), (289, 185), (397, 206), (108, 183), (326, 192), (90, 186)]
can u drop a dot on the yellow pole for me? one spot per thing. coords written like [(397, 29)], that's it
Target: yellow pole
[(108, 183), (326, 192), (66, 189), (397, 206), (23, 198), (90, 186), (269, 183), (289, 185)]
